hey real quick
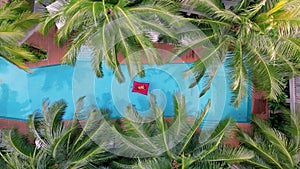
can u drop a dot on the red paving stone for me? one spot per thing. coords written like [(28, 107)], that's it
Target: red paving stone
[(14, 124), (259, 104)]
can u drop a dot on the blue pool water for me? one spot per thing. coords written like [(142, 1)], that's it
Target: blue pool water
[(22, 93)]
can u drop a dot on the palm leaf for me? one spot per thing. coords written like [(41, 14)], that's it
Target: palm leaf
[(216, 10), (11, 162), (17, 143), (161, 125), (260, 150), (209, 142), (34, 123), (48, 22), (53, 117), (58, 145), (224, 129), (294, 129), (258, 35), (113, 29), (16, 19), (136, 125), (196, 125), (263, 70), (26, 20), (16, 52), (230, 155), (180, 114), (277, 139), (9, 35), (239, 75), (210, 60), (259, 164), (91, 129)]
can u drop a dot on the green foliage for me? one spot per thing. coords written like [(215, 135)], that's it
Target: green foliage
[(16, 19), (279, 120), (274, 148), (38, 53), (256, 36), (183, 145), (279, 104), (59, 144), (113, 30), (260, 39), (92, 140)]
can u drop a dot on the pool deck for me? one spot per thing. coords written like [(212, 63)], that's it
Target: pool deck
[(55, 54)]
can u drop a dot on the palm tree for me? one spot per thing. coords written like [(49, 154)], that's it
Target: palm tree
[(112, 28), (183, 145), (258, 39), (92, 140), (58, 144), (274, 148), (16, 19)]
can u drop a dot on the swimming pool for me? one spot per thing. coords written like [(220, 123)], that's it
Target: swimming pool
[(22, 93)]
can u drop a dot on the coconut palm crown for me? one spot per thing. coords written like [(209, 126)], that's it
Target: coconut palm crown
[(58, 144), (16, 19), (115, 30), (259, 38), (274, 148)]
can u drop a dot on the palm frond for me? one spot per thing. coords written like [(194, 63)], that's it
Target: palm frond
[(277, 139), (264, 70), (259, 38), (215, 9), (209, 165), (230, 155), (39, 159), (273, 148), (91, 131), (58, 145), (17, 143), (16, 19), (9, 34), (285, 16), (114, 29), (197, 123), (155, 163), (210, 61), (17, 61), (260, 150), (17, 53), (254, 9), (26, 21), (53, 117), (239, 74), (51, 17), (294, 129), (34, 123), (224, 129), (137, 126), (209, 142), (257, 163), (11, 162)]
